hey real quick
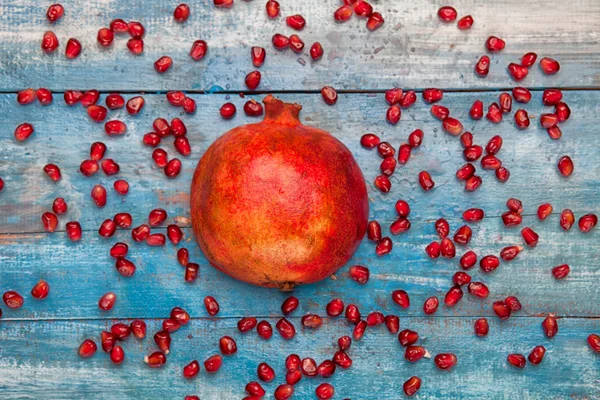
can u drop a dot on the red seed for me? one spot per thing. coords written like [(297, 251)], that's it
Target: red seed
[(266, 373), (513, 303), (567, 219), (227, 345), (181, 12), (286, 329), (316, 51), (537, 355), (414, 353), (412, 385), (478, 289), (189, 105), (118, 26), (550, 326), (289, 305), (258, 55), (223, 3), (587, 222), (445, 361), (494, 144), (26, 96), (528, 59), (246, 324), (473, 183), (472, 153), (115, 127), (252, 108), (401, 298), (292, 362), (110, 167), (433, 250), (404, 153), (494, 113), (501, 309), (463, 235), (23, 131), (135, 105), (408, 337), (44, 96), (374, 231), (198, 50), (432, 95), (335, 307), (452, 126), (213, 363), (125, 267), (329, 95), (55, 12), (73, 48), (119, 250), (489, 263), (490, 162), (343, 13), (425, 181), (107, 301), (385, 149), (473, 214), (324, 391), (549, 66), (108, 228), (140, 233), (227, 110), (296, 22), (511, 218), (392, 322), (105, 37), (447, 14), (156, 359), (375, 318), (548, 120), (97, 113), (482, 68), (408, 99), (521, 119), (53, 172), (466, 171), (518, 72), (87, 348), (516, 360), (108, 340), (415, 138), (383, 183), (296, 44), (562, 111), (544, 210), (440, 112), (514, 205), (73, 230), (162, 340), (494, 44), (312, 321), (476, 110), (521, 94), (135, 46), (163, 64), (387, 166), (502, 174), (115, 101), (551, 97), (375, 21), (123, 220), (594, 342), (510, 252), (283, 392), (461, 278), (359, 330), (151, 139), (99, 195), (182, 145), (561, 271), (211, 305), (156, 239), (344, 343), (359, 273), (362, 9), (49, 42), (431, 305), (453, 296), (41, 290), (280, 42), (352, 314), (565, 166), (447, 248), (255, 389), (465, 23), (481, 327), (170, 326), (120, 330), (191, 370), (384, 246), (399, 226), (530, 237), (468, 260), (160, 158)]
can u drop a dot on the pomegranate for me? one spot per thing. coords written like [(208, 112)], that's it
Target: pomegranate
[(305, 219)]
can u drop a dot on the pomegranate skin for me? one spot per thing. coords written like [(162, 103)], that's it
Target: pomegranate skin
[(277, 203)]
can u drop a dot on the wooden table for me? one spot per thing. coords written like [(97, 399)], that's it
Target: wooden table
[(38, 343)]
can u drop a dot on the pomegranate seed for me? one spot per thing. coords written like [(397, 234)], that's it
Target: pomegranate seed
[(550, 326), (408, 337), (433, 250), (551, 97), (23, 131), (115, 101), (514, 205), (393, 96), (252, 108), (562, 111), (561, 271), (175, 234), (461, 278), (108, 341), (181, 12), (173, 168), (160, 158), (445, 361), (432, 95), (182, 145), (123, 220), (392, 322), (359, 330), (548, 120), (516, 360), (87, 348), (227, 110), (521, 94), (59, 206), (415, 138), (513, 303), (473, 183), (157, 217), (565, 166), (50, 221), (528, 59), (544, 210), (494, 44), (108, 228), (115, 127), (502, 174), (465, 23), (49, 42), (156, 239), (280, 42), (343, 13), (467, 170), (587, 222), (136, 29), (329, 95), (253, 79), (404, 153), (510, 252), (384, 246), (107, 301), (119, 250), (296, 22), (151, 139), (324, 391), (286, 329), (272, 9), (265, 372), (223, 3), (468, 260), (163, 64), (425, 181), (447, 248), (73, 48), (140, 233), (283, 392), (308, 366), (120, 330), (198, 50), (383, 183), (453, 296), (264, 330), (156, 359), (463, 235), (594, 342), (511, 218), (537, 355), (401, 298), (374, 231), (375, 318), (478, 289), (312, 321), (399, 226), (135, 105), (109, 166), (359, 273), (44, 96), (99, 195), (289, 305), (517, 72), (431, 305), (255, 389), (53, 172), (105, 37), (352, 314), (447, 14), (189, 105), (363, 9), (258, 55), (521, 119), (501, 309), (227, 345), (344, 343), (388, 165), (472, 153), (489, 263), (335, 307), (292, 362), (408, 99), (505, 105), (476, 110), (375, 21), (490, 162), (213, 363), (74, 231), (440, 112), (412, 385), (530, 237), (414, 353), (482, 68), (125, 267), (55, 12), (135, 46), (481, 327), (246, 324), (41, 290), (473, 214), (118, 26), (549, 66), (26, 96), (494, 113), (191, 370), (97, 113), (163, 341)]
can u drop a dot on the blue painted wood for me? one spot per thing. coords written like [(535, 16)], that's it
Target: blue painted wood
[(412, 49)]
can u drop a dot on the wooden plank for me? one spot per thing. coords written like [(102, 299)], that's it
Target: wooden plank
[(412, 49), (63, 136), (42, 357)]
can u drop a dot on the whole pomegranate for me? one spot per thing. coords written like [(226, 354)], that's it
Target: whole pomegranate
[(278, 203)]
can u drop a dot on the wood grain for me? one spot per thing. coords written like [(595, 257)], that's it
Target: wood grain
[(412, 49)]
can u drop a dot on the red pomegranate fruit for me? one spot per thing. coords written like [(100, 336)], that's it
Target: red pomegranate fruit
[(278, 203)]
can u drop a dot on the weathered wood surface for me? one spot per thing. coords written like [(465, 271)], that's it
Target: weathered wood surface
[(412, 49), (39, 360)]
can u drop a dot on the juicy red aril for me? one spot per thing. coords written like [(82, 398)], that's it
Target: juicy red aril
[(375, 21), (463, 235), (125, 267), (335, 307), (510, 252), (157, 216), (120, 330), (246, 324), (548, 120), (286, 329), (473, 183), (108, 340), (160, 158), (473, 214), (135, 46), (326, 369), (255, 389), (513, 303), (447, 248), (44, 96), (478, 289), (343, 13), (514, 205), (587, 222), (489, 263), (408, 99), (565, 166), (481, 327), (516, 360), (156, 239), (55, 12), (447, 14), (312, 321), (210, 303), (522, 119), (401, 298), (431, 305), (140, 233), (344, 343), (198, 50), (296, 44), (494, 144), (412, 385), (252, 108), (452, 126), (383, 183), (544, 210), (472, 153), (440, 112), (494, 44), (461, 278), (73, 229), (468, 260), (265, 372), (73, 48), (97, 113), (156, 359), (528, 59), (316, 51), (191, 370), (502, 174), (292, 362), (432, 95), (59, 206), (49, 42), (494, 113), (551, 97), (283, 392), (296, 22), (549, 66), (181, 12), (511, 218), (53, 172), (329, 95), (521, 94), (135, 105), (466, 171), (414, 353), (518, 72), (123, 220), (561, 271), (87, 348), (374, 231), (392, 322), (213, 363), (175, 234), (151, 139), (223, 3), (289, 305), (384, 246), (363, 9), (114, 101), (501, 309), (550, 326), (482, 68), (324, 391), (119, 250), (445, 361), (387, 166), (399, 226), (375, 318), (393, 96), (227, 345), (109, 166), (425, 181), (26, 96), (162, 340), (41, 290), (258, 55), (594, 342), (453, 296), (359, 330), (476, 110), (359, 273), (105, 37), (415, 138), (530, 237), (465, 23), (408, 337), (115, 127), (23, 131), (280, 42), (537, 355), (352, 314), (433, 250), (136, 29), (12, 299), (107, 301), (182, 145), (89, 98), (99, 195), (490, 162), (118, 26), (163, 64), (562, 111), (108, 228), (404, 153)]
